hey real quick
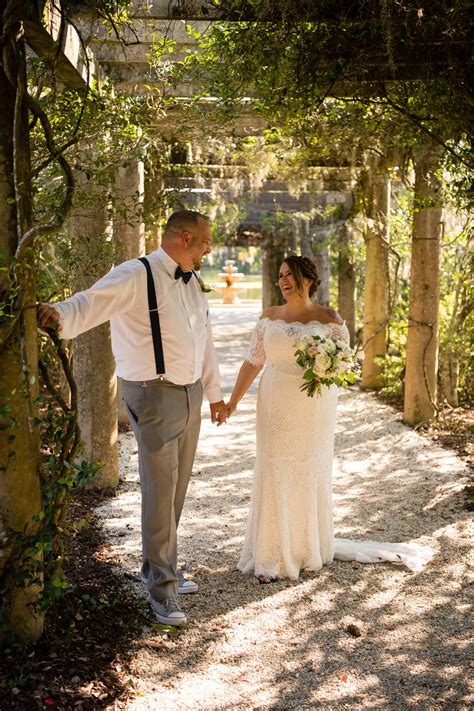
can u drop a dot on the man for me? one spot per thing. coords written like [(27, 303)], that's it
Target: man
[(164, 369)]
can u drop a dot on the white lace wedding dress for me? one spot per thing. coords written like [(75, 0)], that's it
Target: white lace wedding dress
[(290, 523)]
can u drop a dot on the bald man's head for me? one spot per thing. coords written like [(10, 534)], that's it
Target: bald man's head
[(183, 220), (187, 238)]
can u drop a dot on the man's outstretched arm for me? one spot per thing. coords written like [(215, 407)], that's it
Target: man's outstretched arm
[(87, 309)]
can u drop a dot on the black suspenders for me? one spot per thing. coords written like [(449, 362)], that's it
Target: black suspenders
[(154, 318)]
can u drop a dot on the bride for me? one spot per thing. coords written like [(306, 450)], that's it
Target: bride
[(290, 523)]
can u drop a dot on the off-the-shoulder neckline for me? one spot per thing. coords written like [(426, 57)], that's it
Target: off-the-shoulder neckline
[(302, 323)]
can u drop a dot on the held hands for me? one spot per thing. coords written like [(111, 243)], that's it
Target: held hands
[(218, 412), (231, 407)]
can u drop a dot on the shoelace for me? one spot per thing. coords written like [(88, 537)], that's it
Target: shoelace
[(171, 605)]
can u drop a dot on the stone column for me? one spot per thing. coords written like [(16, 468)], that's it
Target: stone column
[(129, 228), (305, 239), (422, 341), (346, 279), (273, 256), (94, 366), (376, 291), (321, 259), (154, 212)]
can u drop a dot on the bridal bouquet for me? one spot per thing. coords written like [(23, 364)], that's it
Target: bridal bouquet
[(325, 362)]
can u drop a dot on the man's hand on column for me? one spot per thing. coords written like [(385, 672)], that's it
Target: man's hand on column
[(48, 316), (218, 412)]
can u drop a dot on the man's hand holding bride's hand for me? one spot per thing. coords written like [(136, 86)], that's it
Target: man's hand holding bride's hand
[(231, 407), (218, 412)]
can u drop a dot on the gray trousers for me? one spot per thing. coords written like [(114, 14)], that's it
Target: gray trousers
[(166, 419)]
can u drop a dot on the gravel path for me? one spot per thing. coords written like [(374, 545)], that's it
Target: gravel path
[(348, 637)]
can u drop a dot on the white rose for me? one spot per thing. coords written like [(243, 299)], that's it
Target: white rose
[(322, 365)]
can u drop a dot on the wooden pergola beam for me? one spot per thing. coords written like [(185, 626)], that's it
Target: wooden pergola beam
[(57, 42)]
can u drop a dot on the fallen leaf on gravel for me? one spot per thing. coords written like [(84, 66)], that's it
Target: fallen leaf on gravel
[(156, 644)]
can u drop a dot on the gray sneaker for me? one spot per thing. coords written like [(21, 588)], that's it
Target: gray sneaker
[(185, 587), (168, 612)]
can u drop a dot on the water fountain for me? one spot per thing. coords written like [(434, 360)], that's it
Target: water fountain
[(229, 289)]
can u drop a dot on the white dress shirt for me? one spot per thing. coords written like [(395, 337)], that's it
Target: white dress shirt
[(121, 297)]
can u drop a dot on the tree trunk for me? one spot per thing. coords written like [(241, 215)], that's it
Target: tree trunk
[(20, 493), (422, 341), (94, 366), (346, 280), (129, 229), (273, 256), (376, 291)]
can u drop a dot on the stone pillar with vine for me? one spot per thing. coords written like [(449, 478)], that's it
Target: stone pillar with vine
[(92, 256), (422, 341), (346, 277), (128, 225), (275, 229), (320, 256), (376, 201), (154, 208)]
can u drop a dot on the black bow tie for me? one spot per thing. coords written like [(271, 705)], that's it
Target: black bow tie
[(185, 276)]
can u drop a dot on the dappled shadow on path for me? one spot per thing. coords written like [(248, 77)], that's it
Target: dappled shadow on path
[(290, 644)]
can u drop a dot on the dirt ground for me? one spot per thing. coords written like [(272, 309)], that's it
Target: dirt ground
[(350, 636)]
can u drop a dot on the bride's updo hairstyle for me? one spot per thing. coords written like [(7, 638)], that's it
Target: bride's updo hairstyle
[(303, 268)]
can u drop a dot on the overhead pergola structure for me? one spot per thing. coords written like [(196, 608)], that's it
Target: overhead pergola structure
[(124, 60), (83, 50)]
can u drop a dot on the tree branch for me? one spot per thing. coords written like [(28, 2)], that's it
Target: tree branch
[(41, 230)]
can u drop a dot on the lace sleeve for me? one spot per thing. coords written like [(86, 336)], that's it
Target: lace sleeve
[(256, 351), (339, 332)]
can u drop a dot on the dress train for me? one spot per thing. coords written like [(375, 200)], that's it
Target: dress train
[(413, 555)]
